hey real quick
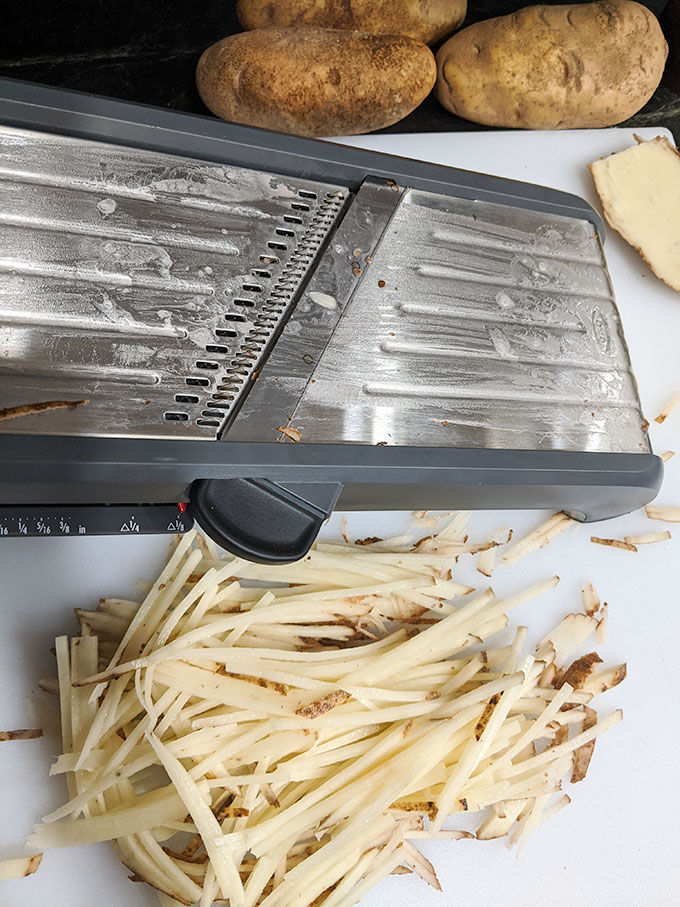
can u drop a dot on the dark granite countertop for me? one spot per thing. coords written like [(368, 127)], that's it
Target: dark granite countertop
[(148, 53)]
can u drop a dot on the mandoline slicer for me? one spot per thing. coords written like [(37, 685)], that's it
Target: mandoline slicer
[(266, 327)]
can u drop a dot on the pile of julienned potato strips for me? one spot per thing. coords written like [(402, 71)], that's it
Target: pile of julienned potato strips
[(286, 735)]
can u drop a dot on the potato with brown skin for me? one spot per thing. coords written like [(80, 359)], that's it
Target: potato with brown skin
[(315, 81), (554, 67), (425, 20)]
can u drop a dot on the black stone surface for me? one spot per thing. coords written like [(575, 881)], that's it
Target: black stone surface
[(146, 51)]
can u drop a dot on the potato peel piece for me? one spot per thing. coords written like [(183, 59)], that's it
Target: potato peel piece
[(427, 807), (578, 671), (486, 715), (601, 681), (24, 734), (32, 409), (583, 754), (638, 189), (613, 543), (293, 433), (561, 735), (325, 704)]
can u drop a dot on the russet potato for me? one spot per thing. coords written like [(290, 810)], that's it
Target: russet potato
[(554, 67), (425, 20), (315, 81)]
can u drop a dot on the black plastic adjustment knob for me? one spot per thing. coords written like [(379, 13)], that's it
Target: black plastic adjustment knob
[(260, 520)]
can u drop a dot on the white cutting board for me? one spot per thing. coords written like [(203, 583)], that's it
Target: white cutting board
[(619, 840)]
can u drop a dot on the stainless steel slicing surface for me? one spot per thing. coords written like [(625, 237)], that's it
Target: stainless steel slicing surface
[(146, 283), (154, 286), (472, 325)]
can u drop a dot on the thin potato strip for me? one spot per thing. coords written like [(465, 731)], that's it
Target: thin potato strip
[(647, 538), (570, 745), (668, 408), (150, 811), (540, 537), (667, 514), (208, 827)]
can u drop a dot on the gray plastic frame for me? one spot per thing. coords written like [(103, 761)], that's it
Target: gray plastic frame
[(69, 470), (51, 470)]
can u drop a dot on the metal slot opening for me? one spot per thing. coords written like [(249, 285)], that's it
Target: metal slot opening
[(216, 348), (226, 332), (252, 287), (218, 404), (281, 232), (186, 398), (233, 316), (277, 245), (197, 382), (206, 363), (260, 272), (292, 219), (300, 206), (268, 260), (305, 193), (214, 423), (246, 302), (176, 417)]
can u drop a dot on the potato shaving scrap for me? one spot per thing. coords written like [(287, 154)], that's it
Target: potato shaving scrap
[(601, 629), (667, 514), (27, 734), (647, 538), (668, 408), (293, 433), (486, 562), (591, 600), (285, 735), (613, 543), (32, 409), (539, 538), (20, 867)]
